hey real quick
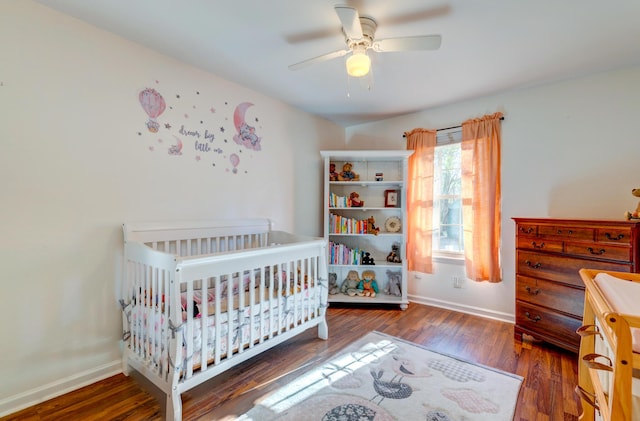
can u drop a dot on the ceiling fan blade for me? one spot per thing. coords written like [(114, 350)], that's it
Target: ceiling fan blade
[(324, 57), (424, 42), (350, 22)]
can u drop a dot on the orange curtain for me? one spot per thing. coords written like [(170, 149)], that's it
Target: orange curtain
[(420, 199), (481, 197)]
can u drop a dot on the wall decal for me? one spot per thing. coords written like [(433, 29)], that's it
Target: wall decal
[(198, 126), (177, 148), (235, 160), (246, 135), (153, 104)]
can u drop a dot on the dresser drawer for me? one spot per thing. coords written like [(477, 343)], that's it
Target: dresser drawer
[(535, 243), (576, 233), (551, 295), (614, 235), (548, 323), (599, 251), (528, 229), (560, 268)]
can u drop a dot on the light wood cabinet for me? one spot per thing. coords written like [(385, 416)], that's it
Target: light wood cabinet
[(549, 255), (381, 194)]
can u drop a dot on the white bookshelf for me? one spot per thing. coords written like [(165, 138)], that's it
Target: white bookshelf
[(338, 217)]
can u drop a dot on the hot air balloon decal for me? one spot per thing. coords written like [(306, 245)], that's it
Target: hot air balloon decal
[(246, 135), (235, 160), (153, 104)]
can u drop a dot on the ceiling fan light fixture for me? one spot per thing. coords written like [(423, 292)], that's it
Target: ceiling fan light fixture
[(359, 63)]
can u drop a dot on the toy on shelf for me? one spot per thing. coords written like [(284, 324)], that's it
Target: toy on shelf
[(333, 283), (371, 226), (636, 213), (368, 285), (394, 255), (367, 259), (393, 283), (333, 175), (347, 173), (355, 200), (350, 284)]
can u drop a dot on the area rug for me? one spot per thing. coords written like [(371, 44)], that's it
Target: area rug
[(381, 377)]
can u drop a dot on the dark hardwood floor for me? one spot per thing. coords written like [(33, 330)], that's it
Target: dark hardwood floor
[(550, 373)]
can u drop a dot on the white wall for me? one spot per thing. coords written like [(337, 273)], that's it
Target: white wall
[(569, 149), (77, 161)]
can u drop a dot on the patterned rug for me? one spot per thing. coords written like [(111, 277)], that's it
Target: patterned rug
[(380, 377)]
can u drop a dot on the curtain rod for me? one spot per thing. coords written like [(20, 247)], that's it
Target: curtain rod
[(449, 128)]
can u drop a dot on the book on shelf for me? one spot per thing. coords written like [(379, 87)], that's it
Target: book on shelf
[(339, 224)]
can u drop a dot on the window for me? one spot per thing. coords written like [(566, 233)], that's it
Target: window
[(447, 199)]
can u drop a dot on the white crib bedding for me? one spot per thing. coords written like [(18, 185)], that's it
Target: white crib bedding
[(154, 325), (197, 308)]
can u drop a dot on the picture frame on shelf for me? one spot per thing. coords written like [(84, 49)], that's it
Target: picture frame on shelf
[(391, 199)]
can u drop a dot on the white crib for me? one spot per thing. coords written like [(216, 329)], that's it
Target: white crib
[(201, 297)]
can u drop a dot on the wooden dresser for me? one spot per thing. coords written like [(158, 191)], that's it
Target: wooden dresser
[(549, 254)]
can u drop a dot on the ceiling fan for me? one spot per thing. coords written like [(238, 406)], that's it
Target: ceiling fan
[(359, 32)]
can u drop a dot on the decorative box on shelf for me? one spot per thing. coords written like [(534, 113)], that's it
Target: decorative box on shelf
[(364, 220)]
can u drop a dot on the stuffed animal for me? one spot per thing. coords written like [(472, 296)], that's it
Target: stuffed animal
[(347, 173), (371, 226), (394, 255), (636, 213), (368, 285), (367, 259), (354, 197), (333, 175), (393, 283), (350, 284), (333, 283)]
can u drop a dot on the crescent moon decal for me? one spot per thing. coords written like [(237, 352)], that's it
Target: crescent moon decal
[(238, 115), (177, 148), (246, 135)]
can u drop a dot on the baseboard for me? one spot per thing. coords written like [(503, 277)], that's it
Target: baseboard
[(476, 311), (40, 394)]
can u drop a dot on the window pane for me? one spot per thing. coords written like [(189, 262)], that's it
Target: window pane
[(447, 212)]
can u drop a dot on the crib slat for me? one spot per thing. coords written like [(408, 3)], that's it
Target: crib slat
[(204, 322), (218, 323), (252, 305), (230, 314), (241, 306), (273, 295)]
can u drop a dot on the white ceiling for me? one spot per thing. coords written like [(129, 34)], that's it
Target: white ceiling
[(488, 46)]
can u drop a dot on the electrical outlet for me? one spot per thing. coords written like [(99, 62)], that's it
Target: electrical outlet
[(457, 282)]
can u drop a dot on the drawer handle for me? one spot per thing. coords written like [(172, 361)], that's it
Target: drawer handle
[(570, 232), (536, 266), (592, 251), (532, 291), (610, 237), (526, 231), (537, 246), (533, 319)]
